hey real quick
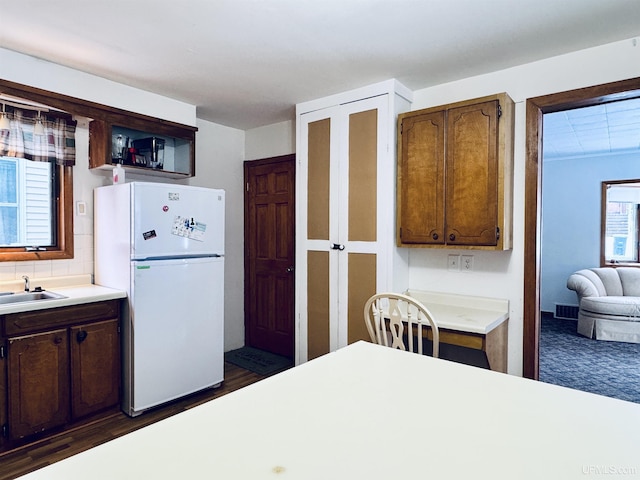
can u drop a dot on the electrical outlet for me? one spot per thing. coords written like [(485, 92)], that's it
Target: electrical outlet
[(454, 263), (466, 263)]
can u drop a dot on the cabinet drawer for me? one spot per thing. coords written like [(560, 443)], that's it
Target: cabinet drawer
[(39, 320)]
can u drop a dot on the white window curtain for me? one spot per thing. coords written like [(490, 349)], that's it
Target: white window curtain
[(56, 144)]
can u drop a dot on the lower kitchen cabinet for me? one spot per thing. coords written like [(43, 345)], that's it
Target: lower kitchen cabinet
[(38, 377), (95, 367), (60, 366)]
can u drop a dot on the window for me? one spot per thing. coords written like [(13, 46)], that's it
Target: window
[(61, 244), (37, 152), (27, 214), (621, 207), (622, 232)]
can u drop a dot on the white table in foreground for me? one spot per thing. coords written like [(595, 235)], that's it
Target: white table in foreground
[(368, 411)]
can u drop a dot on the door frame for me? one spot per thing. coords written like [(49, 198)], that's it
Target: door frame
[(535, 109)]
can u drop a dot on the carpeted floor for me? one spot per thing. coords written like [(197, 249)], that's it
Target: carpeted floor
[(571, 360)]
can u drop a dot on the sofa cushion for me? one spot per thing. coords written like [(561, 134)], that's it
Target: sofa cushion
[(630, 278), (611, 280), (612, 306)]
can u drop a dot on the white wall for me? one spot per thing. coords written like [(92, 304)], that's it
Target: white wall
[(501, 274), (271, 140), (220, 156), (571, 211), (34, 72)]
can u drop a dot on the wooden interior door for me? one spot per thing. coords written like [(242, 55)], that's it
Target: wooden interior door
[(270, 254)]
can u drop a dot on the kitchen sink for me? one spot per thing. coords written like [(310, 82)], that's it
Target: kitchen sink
[(29, 297)]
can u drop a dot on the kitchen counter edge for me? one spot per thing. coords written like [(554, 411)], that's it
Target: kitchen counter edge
[(74, 295)]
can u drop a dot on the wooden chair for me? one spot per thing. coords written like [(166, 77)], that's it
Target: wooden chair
[(399, 321)]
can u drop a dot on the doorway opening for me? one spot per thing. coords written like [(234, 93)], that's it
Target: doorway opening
[(582, 148), (536, 108)]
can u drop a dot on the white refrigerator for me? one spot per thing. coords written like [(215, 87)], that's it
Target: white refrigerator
[(164, 245)]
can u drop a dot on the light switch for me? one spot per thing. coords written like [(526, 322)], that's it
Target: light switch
[(81, 208)]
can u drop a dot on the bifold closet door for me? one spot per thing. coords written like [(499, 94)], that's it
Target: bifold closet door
[(341, 243)]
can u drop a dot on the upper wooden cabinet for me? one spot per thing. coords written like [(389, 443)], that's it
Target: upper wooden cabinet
[(455, 175), (172, 157)]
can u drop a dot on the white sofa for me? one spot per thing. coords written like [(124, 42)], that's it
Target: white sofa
[(609, 301)]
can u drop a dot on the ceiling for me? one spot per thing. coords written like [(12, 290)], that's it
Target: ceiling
[(246, 63), (598, 130)]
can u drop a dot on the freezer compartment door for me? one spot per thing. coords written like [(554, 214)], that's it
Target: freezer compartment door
[(176, 220), (177, 320)]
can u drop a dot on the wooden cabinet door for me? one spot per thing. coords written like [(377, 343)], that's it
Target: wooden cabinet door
[(472, 174), (95, 367), (421, 176), (38, 374)]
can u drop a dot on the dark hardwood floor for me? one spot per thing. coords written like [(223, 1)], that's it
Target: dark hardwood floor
[(35, 455)]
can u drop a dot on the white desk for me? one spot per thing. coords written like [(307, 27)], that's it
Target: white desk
[(372, 412), (478, 323)]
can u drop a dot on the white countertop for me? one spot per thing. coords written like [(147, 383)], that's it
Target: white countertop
[(463, 312), (77, 289), (367, 411)]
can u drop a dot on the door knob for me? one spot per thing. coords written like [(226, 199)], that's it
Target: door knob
[(290, 269)]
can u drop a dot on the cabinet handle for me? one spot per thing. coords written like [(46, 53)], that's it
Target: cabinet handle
[(452, 237), (57, 340), (435, 236), (81, 336), (337, 246)]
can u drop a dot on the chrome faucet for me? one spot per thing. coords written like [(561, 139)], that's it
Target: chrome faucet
[(27, 285)]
